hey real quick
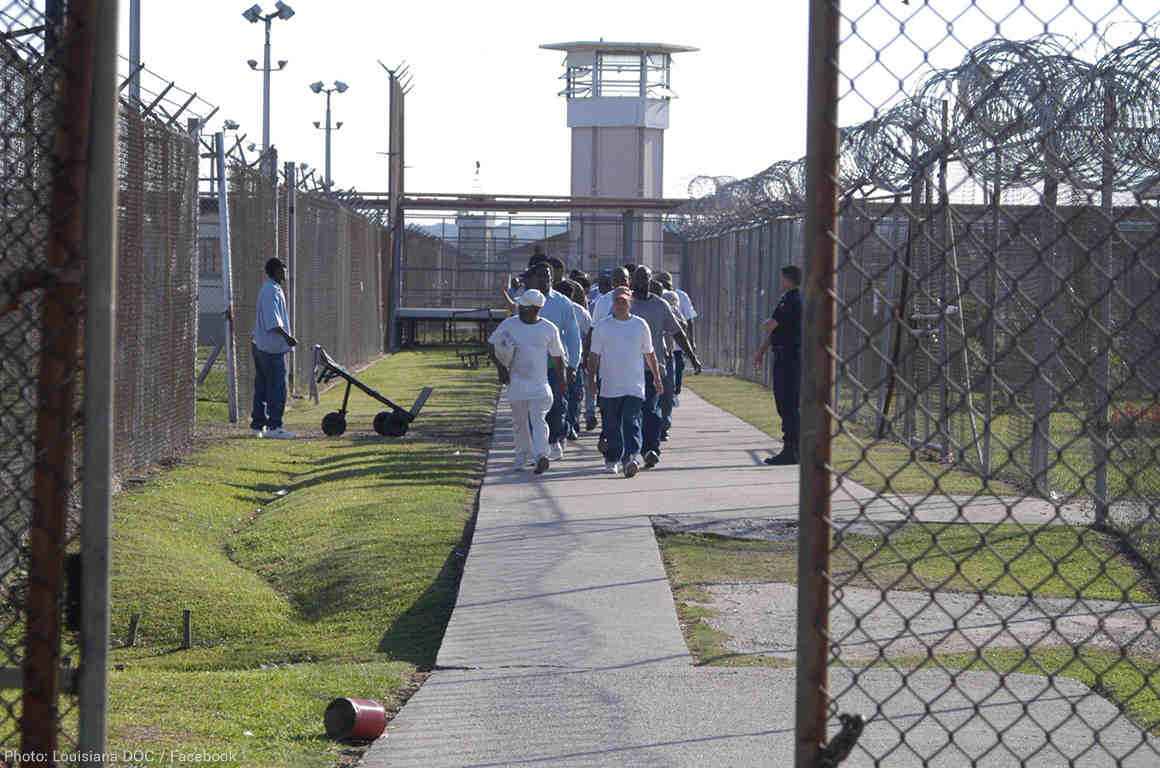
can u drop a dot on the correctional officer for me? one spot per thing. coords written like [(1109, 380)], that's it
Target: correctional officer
[(784, 337)]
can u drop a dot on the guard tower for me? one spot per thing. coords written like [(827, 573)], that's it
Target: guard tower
[(618, 109)]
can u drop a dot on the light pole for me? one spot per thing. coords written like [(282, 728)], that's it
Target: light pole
[(319, 87), (254, 14)]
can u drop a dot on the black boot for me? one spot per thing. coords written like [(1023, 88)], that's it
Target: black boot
[(787, 457)]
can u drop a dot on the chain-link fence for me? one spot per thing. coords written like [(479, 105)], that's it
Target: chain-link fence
[(335, 284), (57, 171), (982, 261), (984, 293), (156, 291), (465, 260)]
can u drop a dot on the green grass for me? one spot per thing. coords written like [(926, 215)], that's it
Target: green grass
[(330, 562), (1131, 682), (1003, 559), (880, 465)]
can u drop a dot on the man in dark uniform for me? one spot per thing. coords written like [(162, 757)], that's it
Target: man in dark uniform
[(784, 329)]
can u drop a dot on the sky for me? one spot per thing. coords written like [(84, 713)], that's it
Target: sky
[(483, 89), (485, 92)]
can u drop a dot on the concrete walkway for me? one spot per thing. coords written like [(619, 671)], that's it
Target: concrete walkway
[(564, 647)]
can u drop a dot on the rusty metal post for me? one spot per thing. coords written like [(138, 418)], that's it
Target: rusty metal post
[(73, 54), (818, 382)]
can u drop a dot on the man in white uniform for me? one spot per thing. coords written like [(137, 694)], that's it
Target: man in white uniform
[(521, 347), (620, 344), (603, 306)]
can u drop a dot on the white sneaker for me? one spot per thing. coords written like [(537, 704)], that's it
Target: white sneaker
[(612, 467), (676, 401), (557, 451), (257, 432), (280, 434), (631, 467)]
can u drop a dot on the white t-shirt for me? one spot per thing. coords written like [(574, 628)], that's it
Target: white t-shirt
[(687, 310), (529, 369), (583, 319), (603, 307), (621, 344)]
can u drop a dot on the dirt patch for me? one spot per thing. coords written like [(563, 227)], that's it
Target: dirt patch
[(866, 623)]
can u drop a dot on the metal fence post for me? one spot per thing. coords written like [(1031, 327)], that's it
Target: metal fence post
[(1102, 372), (990, 330), (626, 224), (100, 330), (291, 173), (817, 384), (227, 276)]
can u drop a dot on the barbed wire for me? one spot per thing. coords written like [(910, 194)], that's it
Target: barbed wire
[(1017, 113)]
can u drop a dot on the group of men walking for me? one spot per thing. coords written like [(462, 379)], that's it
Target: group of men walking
[(617, 348)]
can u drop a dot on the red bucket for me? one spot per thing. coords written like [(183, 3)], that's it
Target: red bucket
[(355, 719)]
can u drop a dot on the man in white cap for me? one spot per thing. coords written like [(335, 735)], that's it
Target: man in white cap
[(620, 344), (521, 347)]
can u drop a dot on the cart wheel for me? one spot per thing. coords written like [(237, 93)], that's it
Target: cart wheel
[(334, 424), (390, 424)]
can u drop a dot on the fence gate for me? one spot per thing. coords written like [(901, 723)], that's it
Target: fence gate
[(979, 556), (57, 154)]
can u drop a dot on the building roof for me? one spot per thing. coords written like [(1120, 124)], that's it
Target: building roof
[(612, 47)]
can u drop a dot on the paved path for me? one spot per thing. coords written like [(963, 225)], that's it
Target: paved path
[(564, 647)]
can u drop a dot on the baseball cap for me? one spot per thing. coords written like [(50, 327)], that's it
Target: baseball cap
[(531, 298)]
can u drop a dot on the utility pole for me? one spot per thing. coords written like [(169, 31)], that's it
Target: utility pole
[(135, 51)]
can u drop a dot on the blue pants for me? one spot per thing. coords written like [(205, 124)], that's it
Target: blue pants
[(665, 402), (557, 416), (576, 399), (679, 363), (651, 422), (269, 389), (787, 376), (622, 426)]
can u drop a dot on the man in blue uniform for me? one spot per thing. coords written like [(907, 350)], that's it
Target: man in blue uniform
[(557, 310), (784, 329)]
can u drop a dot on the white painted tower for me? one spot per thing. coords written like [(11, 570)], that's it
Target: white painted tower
[(618, 109)]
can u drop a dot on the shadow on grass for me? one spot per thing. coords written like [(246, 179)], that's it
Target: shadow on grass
[(415, 636)]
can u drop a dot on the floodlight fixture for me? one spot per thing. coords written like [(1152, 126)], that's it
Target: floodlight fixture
[(253, 63), (282, 64), (253, 14), (340, 86), (231, 125), (284, 11), (317, 86), (317, 124), (338, 125)]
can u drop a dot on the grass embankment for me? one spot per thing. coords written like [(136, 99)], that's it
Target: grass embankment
[(314, 568), (1005, 559), (881, 465)]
